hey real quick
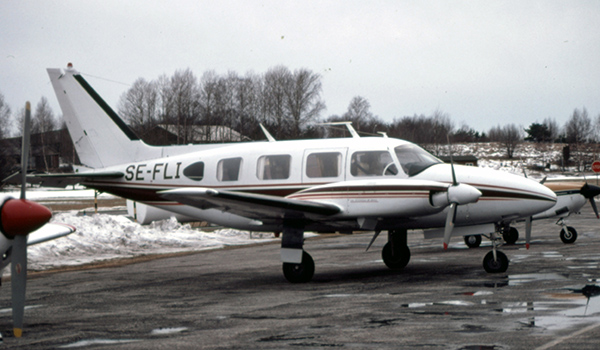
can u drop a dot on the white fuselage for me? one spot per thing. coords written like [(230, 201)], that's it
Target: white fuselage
[(283, 168)]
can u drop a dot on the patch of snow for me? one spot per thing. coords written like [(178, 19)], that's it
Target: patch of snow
[(104, 237)]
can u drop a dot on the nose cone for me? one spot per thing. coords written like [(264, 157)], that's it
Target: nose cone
[(21, 217)]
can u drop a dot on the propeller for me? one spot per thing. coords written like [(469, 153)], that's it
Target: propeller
[(589, 192), (457, 194), (528, 227), (18, 218)]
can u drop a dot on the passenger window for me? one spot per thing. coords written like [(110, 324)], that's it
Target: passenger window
[(273, 167), (194, 171), (229, 169), (324, 164), (372, 163)]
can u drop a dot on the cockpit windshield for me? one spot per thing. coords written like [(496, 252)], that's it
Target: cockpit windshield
[(414, 159)]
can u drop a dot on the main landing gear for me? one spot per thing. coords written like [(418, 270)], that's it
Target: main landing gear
[(509, 234), (395, 253), (299, 267)]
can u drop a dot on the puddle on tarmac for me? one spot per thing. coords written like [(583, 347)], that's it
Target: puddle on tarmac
[(586, 302), (517, 280), (167, 331), (85, 343)]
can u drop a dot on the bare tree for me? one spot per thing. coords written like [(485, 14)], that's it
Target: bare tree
[(303, 99), (359, 113), (578, 131), (209, 90), (184, 92), (139, 106), (276, 85), (552, 127), (43, 122), (4, 118), (509, 136)]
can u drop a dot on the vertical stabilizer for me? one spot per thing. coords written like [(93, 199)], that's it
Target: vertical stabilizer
[(100, 137)]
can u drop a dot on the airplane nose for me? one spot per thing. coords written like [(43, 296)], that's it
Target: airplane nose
[(20, 217)]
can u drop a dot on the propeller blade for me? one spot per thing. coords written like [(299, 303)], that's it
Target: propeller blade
[(454, 182), (527, 232), (589, 192), (18, 282), (25, 148), (593, 203), (449, 224)]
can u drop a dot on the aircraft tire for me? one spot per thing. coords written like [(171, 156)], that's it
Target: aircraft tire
[(511, 236), (473, 241), (300, 273), (568, 235), (397, 260), (498, 266)]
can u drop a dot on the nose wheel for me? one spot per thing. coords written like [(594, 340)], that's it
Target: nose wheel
[(497, 264), (495, 261)]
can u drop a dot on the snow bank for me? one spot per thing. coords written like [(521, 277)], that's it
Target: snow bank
[(103, 237)]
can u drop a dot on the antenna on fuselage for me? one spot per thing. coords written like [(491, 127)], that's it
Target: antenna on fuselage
[(267, 134), (348, 126)]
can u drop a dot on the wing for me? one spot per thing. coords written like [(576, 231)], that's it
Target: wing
[(49, 232), (250, 205)]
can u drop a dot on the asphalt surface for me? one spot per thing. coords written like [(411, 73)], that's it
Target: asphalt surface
[(238, 299)]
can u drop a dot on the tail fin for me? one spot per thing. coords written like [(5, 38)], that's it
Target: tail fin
[(100, 137)]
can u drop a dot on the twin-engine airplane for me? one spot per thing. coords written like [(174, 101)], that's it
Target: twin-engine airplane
[(347, 184), (23, 223), (572, 195)]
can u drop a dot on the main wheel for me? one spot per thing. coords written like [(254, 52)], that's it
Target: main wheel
[(395, 260), (569, 235), (300, 273), (473, 241), (511, 235), (495, 266)]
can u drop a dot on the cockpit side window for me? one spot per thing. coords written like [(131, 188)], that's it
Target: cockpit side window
[(414, 159), (372, 163)]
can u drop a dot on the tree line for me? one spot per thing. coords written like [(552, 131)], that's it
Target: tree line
[(289, 104)]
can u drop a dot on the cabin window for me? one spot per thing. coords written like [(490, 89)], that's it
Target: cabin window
[(229, 169), (276, 167), (194, 171), (327, 164), (372, 163)]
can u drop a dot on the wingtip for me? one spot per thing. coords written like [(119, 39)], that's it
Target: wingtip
[(445, 246), (527, 246), (18, 332)]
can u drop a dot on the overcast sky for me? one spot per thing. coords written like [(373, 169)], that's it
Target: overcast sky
[(483, 62)]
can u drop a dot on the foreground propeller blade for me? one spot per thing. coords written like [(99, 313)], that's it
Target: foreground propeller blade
[(25, 148), (527, 232), (18, 282), (449, 224)]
